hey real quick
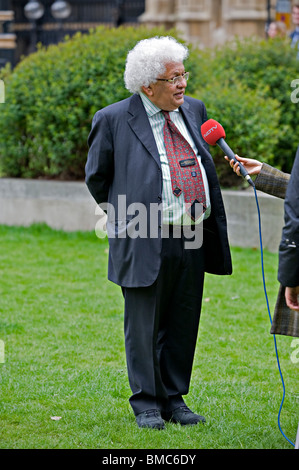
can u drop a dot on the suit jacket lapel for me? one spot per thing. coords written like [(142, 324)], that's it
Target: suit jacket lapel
[(140, 125)]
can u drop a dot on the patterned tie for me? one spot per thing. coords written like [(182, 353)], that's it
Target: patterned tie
[(185, 172)]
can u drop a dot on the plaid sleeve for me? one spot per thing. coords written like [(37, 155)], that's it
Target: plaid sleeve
[(285, 321), (272, 181)]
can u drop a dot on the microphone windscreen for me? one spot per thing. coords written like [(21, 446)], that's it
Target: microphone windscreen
[(212, 131)]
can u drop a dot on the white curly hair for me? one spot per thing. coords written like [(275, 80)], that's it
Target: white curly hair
[(147, 60)]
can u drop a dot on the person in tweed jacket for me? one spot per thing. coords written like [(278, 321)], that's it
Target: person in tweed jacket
[(275, 182)]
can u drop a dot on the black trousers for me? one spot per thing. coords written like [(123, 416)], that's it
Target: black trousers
[(161, 326)]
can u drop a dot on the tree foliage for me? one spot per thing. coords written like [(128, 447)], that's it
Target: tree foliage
[(52, 95)]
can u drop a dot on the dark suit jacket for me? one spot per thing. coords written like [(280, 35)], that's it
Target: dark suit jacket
[(275, 182), (123, 159), (288, 271)]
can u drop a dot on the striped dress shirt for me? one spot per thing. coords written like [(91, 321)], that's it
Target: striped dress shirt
[(174, 211)]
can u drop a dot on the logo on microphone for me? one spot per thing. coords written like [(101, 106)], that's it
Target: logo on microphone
[(213, 128)]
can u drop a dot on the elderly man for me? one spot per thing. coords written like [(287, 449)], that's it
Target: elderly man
[(147, 156)]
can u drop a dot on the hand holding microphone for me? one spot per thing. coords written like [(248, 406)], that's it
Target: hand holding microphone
[(252, 166), (214, 134)]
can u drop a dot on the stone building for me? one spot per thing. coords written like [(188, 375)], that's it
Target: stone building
[(211, 22), (24, 23), (7, 38), (203, 22)]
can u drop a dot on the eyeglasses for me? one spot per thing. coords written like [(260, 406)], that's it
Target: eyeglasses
[(175, 80)]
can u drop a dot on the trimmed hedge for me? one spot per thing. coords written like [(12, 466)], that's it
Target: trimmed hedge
[(246, 85), (52, 95)]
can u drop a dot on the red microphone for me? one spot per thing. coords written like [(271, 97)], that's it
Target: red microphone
[(214, 134)]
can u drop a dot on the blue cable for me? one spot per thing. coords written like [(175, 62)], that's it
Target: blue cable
[(265, 290)]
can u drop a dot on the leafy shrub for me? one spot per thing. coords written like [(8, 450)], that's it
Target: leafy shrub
[(52, 95), (267, 68), (250, 123)]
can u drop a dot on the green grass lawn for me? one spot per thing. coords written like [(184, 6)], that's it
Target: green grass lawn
[(61, 324)]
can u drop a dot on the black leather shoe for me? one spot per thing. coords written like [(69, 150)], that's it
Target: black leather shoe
[(150, 419), (184, 416)]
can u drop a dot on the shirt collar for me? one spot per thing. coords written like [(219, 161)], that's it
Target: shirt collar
[(150, 108)]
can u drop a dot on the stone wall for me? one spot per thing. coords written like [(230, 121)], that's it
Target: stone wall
[(69, 206), (210, 22)]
